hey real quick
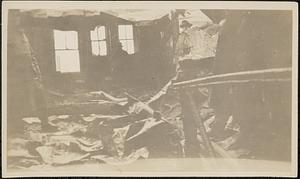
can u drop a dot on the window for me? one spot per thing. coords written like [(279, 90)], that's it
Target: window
[(98, 40), (66, 51), (126, 38)]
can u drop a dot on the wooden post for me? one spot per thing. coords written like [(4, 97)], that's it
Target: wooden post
[(191, 146), (199, 122)]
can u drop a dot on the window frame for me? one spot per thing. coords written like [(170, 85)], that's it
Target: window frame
[(98, 40), (57, 61), (127, 39)]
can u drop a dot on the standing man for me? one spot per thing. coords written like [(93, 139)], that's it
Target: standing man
[(182, 49), (193, 61)]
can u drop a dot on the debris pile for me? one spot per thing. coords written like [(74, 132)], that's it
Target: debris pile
[(115, 131)]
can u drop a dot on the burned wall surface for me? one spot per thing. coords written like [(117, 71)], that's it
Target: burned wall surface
[(95, 69), (253, 40)]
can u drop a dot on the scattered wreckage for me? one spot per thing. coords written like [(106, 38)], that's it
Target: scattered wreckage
[(99, 127)]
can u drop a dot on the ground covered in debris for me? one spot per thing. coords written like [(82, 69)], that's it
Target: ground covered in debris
[(114, 129)]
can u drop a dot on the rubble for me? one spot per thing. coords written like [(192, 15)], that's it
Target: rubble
[(140, 153), (134, 131)]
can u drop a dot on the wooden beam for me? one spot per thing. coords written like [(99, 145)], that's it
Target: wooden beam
[(200, 123), (237, 82), (244, 75)]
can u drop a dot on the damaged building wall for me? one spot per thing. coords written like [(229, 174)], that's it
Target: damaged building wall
[(155, 52), (252, 40), (94, 70)]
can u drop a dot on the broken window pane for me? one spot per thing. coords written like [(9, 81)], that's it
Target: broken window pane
[(126, 38), (124, 44), (130, 47)]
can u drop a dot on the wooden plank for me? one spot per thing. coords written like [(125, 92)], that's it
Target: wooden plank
[(244, 75), (237, 82)]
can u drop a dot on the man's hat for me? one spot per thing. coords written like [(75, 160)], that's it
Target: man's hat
[(185, 23)]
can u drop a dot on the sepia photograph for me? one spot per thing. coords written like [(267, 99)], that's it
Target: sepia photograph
[(149, 88)]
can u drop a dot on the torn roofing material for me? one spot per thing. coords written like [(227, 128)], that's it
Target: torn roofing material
[(127, 14), (134, 15), (196, 17)]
